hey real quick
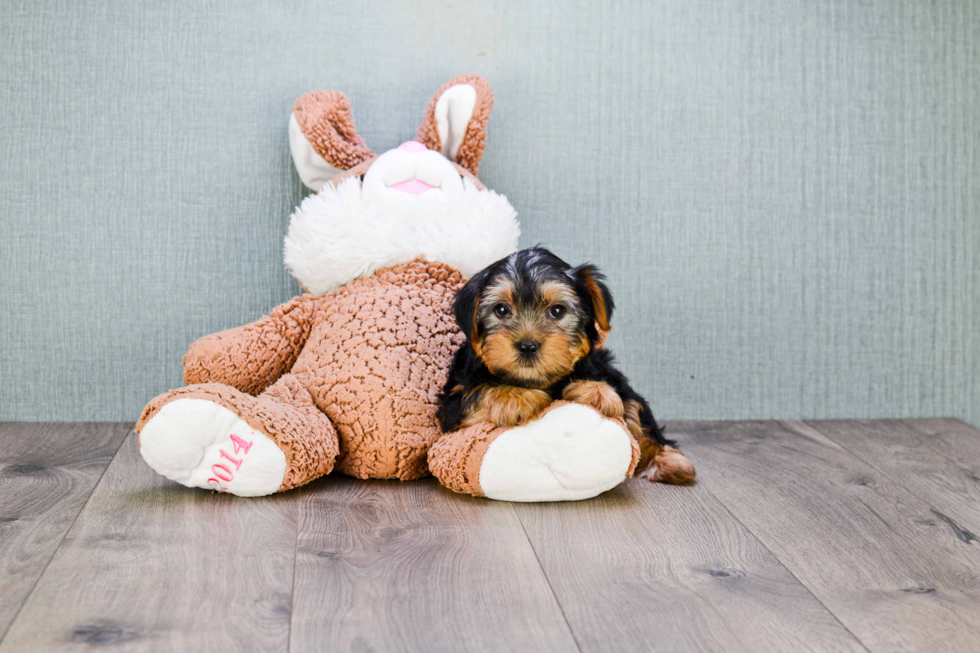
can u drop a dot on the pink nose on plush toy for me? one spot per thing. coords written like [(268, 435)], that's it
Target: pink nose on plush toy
[(412, 186), (412, 146)]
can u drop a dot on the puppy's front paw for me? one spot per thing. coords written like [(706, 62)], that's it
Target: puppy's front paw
[(507, 406), (598, 394)]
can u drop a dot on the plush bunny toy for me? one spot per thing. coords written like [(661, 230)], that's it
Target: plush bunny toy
[(346, 377)]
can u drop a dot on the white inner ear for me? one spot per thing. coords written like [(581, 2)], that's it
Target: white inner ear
[(312, 168), (454, 108)]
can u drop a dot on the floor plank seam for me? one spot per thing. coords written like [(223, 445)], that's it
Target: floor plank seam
[(782, 564), (65, 536), (292, 586), (551, 588)]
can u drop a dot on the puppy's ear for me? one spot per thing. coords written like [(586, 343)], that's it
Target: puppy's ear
[(467, 303), (593, 283), (456, 120), (323, 139)]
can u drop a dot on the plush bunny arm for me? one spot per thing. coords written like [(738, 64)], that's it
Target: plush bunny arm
[(252, 357)]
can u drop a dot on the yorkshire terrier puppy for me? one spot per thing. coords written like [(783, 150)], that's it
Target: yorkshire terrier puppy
[(534, 327)]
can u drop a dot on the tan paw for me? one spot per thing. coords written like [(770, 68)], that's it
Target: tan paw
[(507, 406), (598, 394), (669, 466)]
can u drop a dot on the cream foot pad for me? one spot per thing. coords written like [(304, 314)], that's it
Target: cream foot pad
[(570, 453), (198, 443)]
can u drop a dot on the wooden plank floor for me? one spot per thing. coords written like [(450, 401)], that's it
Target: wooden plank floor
[(818, 536)]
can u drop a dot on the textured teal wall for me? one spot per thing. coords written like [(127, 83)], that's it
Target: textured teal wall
[(785, 195)]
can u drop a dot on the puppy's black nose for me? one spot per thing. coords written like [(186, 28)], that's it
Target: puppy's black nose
[(528, 347)]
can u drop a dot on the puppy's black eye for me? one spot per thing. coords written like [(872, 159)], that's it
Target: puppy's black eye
[(501, 311), (557, 312)]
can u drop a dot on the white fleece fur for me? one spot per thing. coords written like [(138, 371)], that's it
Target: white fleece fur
[(335, 236)]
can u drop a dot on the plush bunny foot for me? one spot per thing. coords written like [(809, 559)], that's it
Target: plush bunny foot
[(201, 444), (213, 436), (569, 453)]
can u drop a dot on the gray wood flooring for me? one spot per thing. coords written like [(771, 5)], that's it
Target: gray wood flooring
[(798, 536)]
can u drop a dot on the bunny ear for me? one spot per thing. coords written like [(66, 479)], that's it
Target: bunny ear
[(323, 139), (456, 120)]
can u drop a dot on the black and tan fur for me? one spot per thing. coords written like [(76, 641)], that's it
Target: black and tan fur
[(534, 328)]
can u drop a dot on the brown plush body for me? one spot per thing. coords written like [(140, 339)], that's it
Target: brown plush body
[(317, 362)]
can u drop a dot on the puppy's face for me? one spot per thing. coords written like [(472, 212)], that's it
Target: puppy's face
[(531, 317), (530, 331)]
